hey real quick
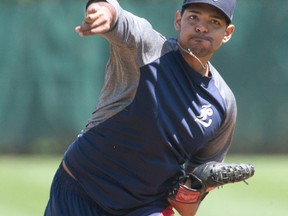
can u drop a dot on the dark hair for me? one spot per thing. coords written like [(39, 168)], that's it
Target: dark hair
[(183, 9)]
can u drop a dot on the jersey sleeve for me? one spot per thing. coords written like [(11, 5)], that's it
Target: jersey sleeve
[(134, 35)]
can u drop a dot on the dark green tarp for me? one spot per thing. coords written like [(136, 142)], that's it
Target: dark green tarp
[(50, 78)]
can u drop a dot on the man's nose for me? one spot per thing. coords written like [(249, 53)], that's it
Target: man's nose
[(201, 28)]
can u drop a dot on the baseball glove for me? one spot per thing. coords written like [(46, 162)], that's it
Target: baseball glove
[(205, 178)]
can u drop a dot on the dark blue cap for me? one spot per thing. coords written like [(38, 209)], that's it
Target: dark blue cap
[(226, 6)]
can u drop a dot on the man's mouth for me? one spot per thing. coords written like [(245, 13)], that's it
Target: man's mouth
[(200, 39)]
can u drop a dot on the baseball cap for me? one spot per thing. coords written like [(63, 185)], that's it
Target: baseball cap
[(226, 6)]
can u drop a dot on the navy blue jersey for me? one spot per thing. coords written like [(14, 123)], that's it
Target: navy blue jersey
[(155, 116), (136, 154)]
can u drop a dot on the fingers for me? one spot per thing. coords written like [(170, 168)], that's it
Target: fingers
[(92, 14), (98, 20), (92, 27)]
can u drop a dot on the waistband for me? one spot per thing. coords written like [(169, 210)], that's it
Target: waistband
[(72, 184)]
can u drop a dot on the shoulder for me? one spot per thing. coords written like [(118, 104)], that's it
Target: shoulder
[(227, 95), (221, 84)]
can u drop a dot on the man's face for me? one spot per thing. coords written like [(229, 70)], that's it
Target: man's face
[(202, 28)]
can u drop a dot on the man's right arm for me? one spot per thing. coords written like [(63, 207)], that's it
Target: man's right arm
[(100, 18)]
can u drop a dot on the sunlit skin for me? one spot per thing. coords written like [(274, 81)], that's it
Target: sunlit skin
[(203, 29)]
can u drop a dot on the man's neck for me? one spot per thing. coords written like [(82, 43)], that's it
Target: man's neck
[(199, 65)]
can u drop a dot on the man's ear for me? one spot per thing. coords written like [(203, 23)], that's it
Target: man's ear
[(228, 33), (177, 21)]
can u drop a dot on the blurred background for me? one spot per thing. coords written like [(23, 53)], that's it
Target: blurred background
[(50, 79)]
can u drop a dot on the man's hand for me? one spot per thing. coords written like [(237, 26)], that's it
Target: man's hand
[(192, 188), (100, 18)]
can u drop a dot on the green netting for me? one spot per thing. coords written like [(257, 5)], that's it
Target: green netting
[(50, 78)]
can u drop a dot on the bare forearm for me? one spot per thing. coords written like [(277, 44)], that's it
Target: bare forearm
[(184, 209)]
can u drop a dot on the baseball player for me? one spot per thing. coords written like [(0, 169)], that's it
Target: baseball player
[(164, 122)]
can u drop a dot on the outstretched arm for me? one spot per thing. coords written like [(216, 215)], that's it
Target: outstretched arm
[(100, 18)]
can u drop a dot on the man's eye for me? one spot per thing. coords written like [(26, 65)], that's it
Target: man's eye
[(192, 17), (216, 22)]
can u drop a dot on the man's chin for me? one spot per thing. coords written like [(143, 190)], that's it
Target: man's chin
[(200, 52)]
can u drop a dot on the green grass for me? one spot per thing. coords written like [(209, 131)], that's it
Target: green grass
[(266, 194), (25, 184)]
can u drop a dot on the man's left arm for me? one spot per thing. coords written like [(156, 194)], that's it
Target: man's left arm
[(190, 191), (192, 188)]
